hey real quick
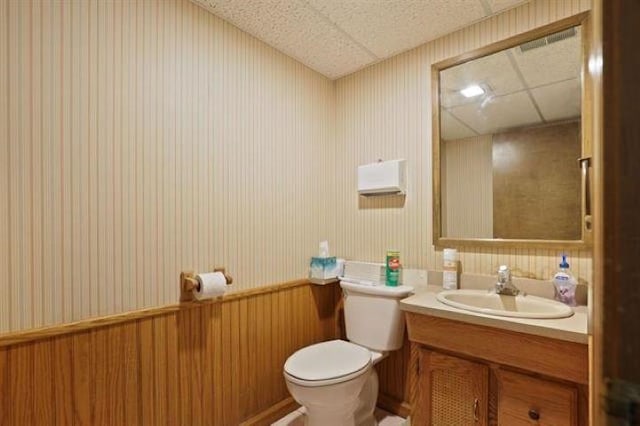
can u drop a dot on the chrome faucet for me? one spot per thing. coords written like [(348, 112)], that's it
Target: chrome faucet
[(504, 284)]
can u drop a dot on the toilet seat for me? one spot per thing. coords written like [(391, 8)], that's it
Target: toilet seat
[(327, 363)]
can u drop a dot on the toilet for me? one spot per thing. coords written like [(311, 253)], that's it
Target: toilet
[(335, 380)]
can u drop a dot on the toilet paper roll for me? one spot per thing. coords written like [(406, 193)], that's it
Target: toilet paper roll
[(212, 285)]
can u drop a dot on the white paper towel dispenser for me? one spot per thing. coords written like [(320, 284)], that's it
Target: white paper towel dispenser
[(382, 178)]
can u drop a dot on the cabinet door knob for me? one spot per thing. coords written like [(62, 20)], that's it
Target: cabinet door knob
[(534, 415)]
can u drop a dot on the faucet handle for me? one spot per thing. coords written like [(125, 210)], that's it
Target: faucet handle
[(504, 274), (504, 284)]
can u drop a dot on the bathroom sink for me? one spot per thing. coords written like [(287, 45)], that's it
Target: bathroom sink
[(520, 306)]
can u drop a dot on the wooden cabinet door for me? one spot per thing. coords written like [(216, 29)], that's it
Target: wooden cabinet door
[(525, 400), (450, 391)]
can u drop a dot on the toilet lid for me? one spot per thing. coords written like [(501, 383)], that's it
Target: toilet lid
[(327, 360)]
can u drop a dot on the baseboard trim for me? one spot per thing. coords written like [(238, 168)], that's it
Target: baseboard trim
[(272, 413), (91, 323), (394, 406)]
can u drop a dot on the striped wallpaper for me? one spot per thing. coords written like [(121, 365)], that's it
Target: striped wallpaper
[(384, 111), (467, 185), (140, 138), (145, 137)]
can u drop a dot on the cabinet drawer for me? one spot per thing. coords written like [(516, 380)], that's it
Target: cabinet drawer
[(526, 400)]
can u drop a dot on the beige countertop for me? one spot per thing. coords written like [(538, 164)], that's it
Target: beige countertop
[(572, 329)]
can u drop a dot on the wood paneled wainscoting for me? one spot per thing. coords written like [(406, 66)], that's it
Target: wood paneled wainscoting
[(394, 374), (214, 363)]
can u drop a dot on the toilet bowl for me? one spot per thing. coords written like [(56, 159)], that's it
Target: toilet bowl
[(335, 380)]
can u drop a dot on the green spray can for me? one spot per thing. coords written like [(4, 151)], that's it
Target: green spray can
[(393, 268)]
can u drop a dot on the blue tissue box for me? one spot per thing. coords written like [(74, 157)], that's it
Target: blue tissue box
[(323, 267)]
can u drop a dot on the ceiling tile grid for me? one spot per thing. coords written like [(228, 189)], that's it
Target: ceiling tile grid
[(559, 101), (505, 112), (494, 73), (535, 85), (500, 5), (338, 37), (388, 27), (554, 62), (295, 29), (452, 128)]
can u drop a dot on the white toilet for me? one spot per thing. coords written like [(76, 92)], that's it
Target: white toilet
[(335, 381)]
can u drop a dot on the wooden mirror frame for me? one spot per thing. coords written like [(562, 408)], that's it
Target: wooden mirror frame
[(582, 19)]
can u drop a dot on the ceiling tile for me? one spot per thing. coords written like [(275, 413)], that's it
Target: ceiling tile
[(297, 30), (387, 27), (499, 113), (338, 37), (559, 101), (452, 128), (494, 72), (554, 62)]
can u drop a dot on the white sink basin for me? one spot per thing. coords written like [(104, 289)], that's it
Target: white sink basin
[(488, 302)]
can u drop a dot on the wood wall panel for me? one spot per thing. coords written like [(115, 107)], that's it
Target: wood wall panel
[(212, 364), (142, 138), (545, 203), (43, 370), (4, 384), (82, 362), (384, 111), (63, 379), (395, 380), (21, 382)]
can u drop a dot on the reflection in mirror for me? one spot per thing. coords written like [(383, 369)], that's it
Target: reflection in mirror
[(510, 138)]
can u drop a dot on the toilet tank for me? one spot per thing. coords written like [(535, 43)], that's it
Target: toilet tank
[(373, 318)]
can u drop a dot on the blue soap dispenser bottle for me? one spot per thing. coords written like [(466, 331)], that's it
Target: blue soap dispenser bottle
[(565, 283)]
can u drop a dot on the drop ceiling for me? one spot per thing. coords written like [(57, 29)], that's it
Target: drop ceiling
[(523, 87), (338, 37)]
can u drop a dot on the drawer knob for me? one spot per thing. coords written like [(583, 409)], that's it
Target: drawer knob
[(534, 415)]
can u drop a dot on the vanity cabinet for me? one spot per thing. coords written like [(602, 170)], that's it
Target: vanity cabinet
[(468, 374)]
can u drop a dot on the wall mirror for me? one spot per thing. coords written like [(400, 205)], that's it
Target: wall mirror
[(511, 142)]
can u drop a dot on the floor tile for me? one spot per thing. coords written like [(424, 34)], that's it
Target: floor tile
[(296, 418), (387, 419)]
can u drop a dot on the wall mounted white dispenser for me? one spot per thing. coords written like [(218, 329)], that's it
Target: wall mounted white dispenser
[(382, 178)]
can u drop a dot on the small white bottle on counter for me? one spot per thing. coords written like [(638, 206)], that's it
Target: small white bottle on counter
[(450, 269)]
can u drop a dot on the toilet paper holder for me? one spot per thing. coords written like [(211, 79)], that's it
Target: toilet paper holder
[(188, 280)]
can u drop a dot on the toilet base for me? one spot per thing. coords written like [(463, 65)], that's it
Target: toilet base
[(367, 402), (360, 413)]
